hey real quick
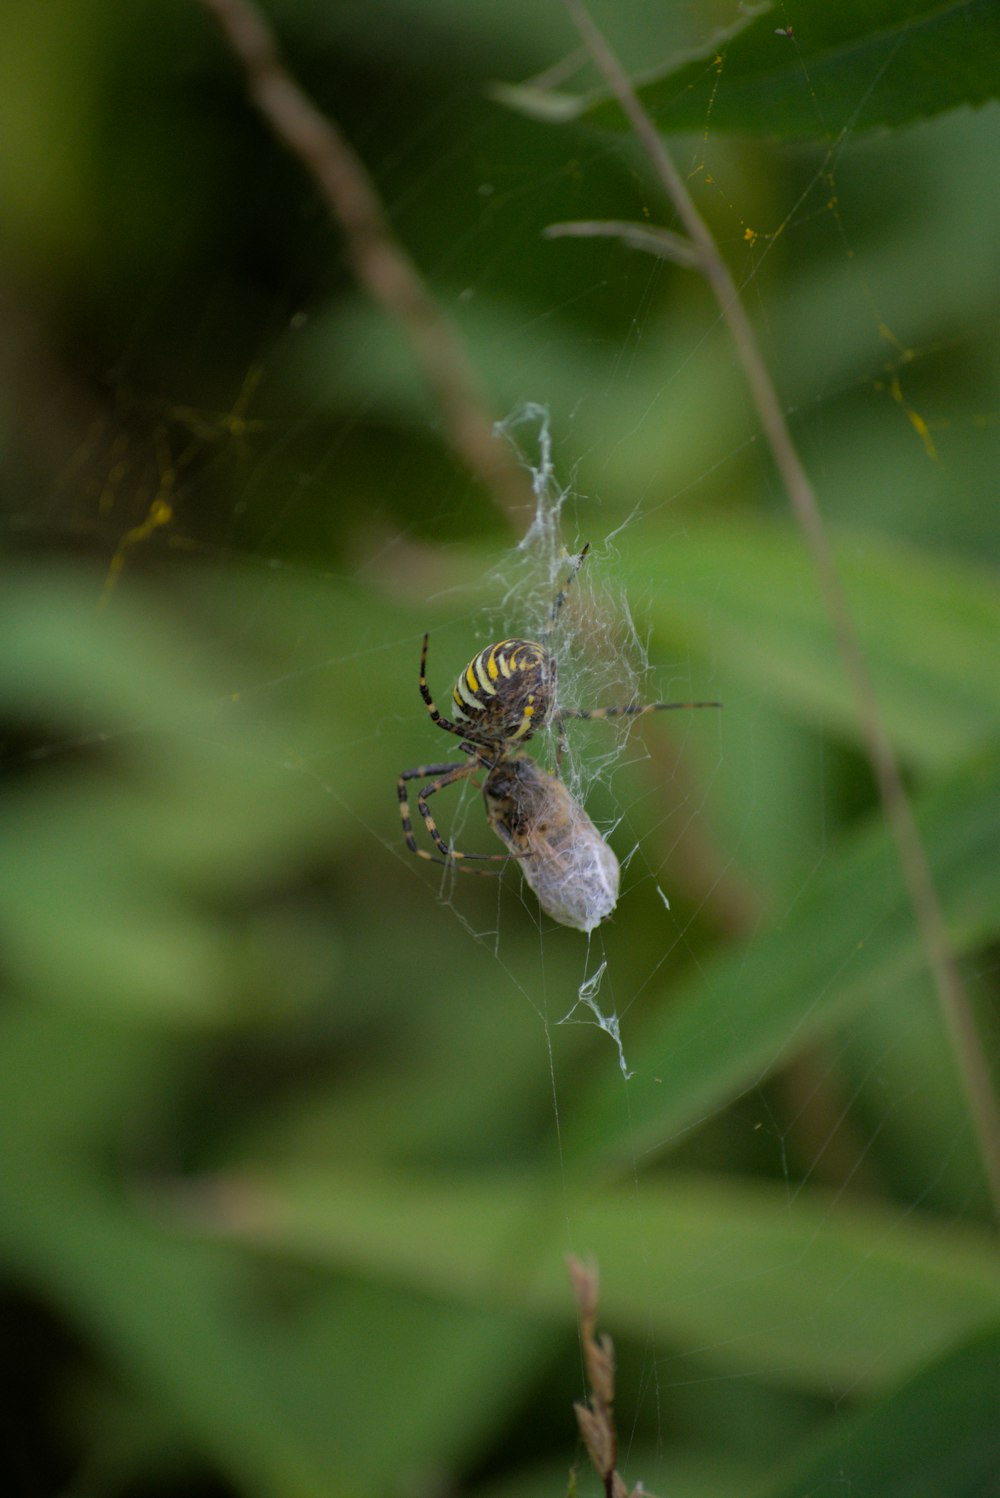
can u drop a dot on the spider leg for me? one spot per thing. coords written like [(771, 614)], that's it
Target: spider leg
[(420, 772), (628, 710), (445, 775), (560, 597), (425, 693)]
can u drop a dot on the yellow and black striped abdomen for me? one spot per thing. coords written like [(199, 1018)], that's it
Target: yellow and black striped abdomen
[(506, 693)]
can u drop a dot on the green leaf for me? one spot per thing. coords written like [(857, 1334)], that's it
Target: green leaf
[(854, 65), (750, 595), (332, 1397), (937, 1434), (158, 785), (791, 1287), (848, 938), (222, 1371)]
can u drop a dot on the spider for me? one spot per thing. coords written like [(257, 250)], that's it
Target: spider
[(503, 697)]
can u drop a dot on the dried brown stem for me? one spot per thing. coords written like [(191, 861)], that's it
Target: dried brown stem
[(379, 261), (655, 241), (596, 1418), (941, 960)]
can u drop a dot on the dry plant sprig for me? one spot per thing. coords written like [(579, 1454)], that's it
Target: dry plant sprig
[(654, 241), (596, 1418), (380, 262), (700, 249)]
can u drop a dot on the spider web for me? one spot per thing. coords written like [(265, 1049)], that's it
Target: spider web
[(231, 516)]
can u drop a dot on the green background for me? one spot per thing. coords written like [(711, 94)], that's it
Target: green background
[(292, 1146)]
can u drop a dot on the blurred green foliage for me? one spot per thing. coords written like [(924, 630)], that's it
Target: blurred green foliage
[(919, 60), (291, 1143)]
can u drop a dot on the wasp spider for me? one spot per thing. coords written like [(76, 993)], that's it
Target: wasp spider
[(505, 695)]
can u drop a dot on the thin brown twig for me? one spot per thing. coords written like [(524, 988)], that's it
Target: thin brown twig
[(595, 1418), (952, 997), (380, 262), (648, 237)]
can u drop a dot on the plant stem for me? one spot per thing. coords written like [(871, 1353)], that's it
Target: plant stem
[(380, 262), (952, 997)]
